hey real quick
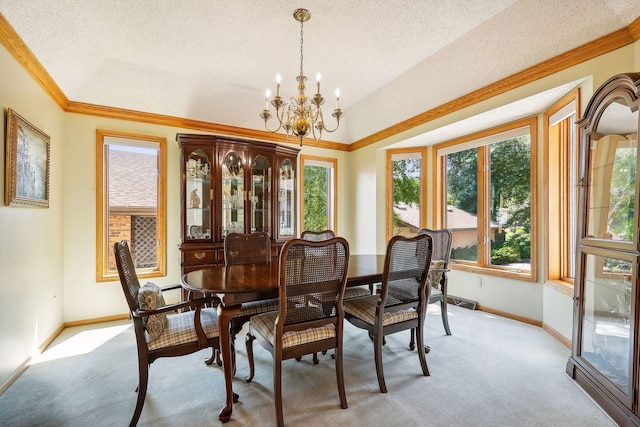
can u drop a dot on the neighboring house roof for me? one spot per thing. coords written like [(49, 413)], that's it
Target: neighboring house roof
[(457, 219), (133, 179), (409, 213)]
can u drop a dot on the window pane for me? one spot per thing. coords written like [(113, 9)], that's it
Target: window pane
[(406, 194), (510, 204), (571, 209), (316, 197), (132, 180), (462, 204), (130, 202)]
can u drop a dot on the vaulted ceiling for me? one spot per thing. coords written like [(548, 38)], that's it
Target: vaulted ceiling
[(207, 63)]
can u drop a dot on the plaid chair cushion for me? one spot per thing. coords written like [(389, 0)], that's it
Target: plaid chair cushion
[(435, 276), (150, 298), (365, 309), (265, 325), (257, 307), (356, 292), (180, 329)]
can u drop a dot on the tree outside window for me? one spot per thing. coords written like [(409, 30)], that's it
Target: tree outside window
[(405, 183), (488, 194), (318, 189)]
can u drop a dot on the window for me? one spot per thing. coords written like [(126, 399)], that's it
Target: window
[(319, 189), (488, 197), (130, 183), (405, 177), (561, 162)]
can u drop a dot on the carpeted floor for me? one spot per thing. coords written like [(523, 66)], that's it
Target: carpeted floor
[(491, 372)]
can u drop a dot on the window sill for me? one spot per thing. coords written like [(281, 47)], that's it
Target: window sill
[(562, 287), (492, 271)]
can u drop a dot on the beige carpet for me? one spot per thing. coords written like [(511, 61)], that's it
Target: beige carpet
[(491, 372)]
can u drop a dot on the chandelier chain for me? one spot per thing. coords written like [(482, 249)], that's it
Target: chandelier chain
[(301, 42)]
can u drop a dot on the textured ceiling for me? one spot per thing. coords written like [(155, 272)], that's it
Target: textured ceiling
[(213, 60)]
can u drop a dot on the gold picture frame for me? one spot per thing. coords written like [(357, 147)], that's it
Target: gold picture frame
[(27, 163)]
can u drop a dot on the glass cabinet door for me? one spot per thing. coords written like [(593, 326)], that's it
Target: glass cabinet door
[(286, 199), (260, 195), (607, 318), (612, 174), (233, 194), (198, 197)]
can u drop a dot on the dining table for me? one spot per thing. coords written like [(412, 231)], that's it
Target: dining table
[(236, 284)]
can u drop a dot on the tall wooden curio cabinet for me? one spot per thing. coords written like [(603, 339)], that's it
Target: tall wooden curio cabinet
[(605, 356), (233, 185)]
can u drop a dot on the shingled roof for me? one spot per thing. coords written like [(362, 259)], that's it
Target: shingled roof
[(133, 181), (457, 219)]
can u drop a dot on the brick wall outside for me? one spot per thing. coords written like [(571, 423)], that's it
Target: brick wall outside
[(119, 229)]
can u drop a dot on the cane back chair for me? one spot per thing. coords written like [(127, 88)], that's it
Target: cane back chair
[(402, 301), (312, 279), (351, 292)]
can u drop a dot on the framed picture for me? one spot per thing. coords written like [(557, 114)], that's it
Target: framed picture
[(27, 163)]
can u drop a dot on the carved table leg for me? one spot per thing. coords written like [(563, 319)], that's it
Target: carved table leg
[(225, 314)]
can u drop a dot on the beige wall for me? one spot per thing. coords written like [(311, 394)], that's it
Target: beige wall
[(47, 256), (31, 239)]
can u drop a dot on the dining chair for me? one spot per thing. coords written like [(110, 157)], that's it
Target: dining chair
[(254, 248), (350, 292), (312, 279), (157, 333), (438, 275), (316, 236), (402, 301)]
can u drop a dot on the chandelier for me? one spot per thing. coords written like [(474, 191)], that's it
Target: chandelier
[(301, 115)]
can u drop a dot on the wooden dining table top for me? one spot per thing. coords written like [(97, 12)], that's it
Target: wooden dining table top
[(254, 278)]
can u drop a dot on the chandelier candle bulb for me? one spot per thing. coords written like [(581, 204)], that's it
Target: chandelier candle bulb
[(318, 76), (278, 79), (337, 99)]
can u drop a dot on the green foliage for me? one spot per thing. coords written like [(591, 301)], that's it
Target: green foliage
[(462, 180), (623, 182), (511, 181), (406, 181), (515, 248), (315, 198), (504, 255), (467, 253)]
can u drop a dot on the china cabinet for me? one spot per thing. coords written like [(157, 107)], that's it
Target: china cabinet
[(233, 185), (605, 356)]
